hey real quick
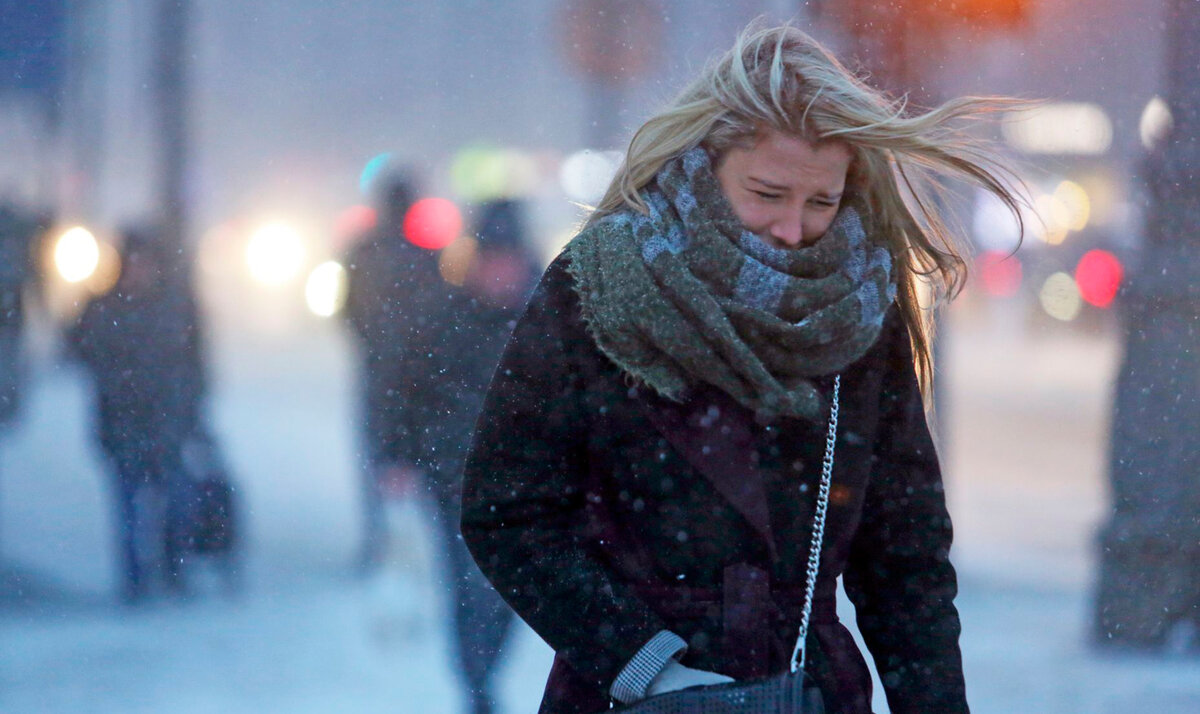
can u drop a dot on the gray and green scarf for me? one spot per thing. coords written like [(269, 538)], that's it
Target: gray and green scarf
[(687, 295)]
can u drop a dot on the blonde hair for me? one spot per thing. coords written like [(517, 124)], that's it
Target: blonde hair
[(780, 78)]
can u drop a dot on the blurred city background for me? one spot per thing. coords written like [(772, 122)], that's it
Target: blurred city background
[(256, 136)]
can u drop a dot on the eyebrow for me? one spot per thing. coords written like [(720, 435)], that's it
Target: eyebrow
[(768, 184), (777, 187)]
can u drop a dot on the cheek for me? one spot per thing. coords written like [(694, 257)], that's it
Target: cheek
[(818, 226), (752, 216)]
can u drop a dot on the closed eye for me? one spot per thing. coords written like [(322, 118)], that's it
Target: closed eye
[(767, 195)]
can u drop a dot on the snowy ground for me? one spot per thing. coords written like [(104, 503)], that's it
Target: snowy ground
[(1026, 420)]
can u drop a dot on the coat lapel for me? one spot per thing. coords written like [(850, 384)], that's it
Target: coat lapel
[(713, 434)]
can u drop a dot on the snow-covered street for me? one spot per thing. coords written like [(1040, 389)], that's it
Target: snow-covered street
[(1026, 426)]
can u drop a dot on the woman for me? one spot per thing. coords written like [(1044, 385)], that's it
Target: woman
[(643, 479)]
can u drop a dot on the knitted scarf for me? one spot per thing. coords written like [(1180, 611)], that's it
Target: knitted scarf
[(687, 295)]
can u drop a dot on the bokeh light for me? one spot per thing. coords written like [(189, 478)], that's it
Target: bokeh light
[(1060, 297), (1077, 203), (1156, 123), (107, 272), (585, 175), (1053, 219), (1000, 273), (1098, 276), (993, 224), (479, 173), (456, 260), (371, 171), (484, 173), (433, 223), (1060, 128), (76, 254), (1105, 197), (325, 289), (275, 254), (1057, 214)]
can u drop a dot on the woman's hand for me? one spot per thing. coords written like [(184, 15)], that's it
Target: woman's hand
[(675, 676)]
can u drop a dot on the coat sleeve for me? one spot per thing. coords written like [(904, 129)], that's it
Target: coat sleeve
[(899, 575), (525, 488)]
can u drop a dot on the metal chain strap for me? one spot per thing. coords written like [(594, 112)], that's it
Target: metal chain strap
[(818, 534)]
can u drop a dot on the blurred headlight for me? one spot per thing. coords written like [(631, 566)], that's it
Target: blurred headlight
[(275, 254), (76, 255), (325, 291)]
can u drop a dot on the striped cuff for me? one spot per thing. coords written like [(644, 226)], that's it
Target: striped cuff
[(630, 685)]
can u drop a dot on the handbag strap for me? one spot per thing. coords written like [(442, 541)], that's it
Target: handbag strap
[(818, 532)]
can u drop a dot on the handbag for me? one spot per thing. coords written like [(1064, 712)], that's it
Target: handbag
[(211, 513), (793, 692)]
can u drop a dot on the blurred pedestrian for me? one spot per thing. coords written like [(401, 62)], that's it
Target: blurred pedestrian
[(19, 229), (1147, 596), (392, 285), (717, 388), (498, 276), (430, 347), (142, 345)]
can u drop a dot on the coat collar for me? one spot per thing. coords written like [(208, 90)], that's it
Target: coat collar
[(713, 433)]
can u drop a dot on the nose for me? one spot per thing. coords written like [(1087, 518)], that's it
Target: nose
[(788, 229)]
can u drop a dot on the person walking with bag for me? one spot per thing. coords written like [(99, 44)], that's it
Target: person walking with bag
[(712, 407), (142, 344)]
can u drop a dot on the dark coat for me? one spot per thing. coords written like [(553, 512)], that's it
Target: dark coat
[(393, 286), (603, 514), (143, 347), (18, 232), (428, 351)]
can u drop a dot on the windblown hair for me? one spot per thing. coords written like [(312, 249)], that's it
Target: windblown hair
[(780, 78)]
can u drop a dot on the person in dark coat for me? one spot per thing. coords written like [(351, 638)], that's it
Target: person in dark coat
[(643, 483), (431, 347), (141, 343), (19, 229), (392, 286), (462, 346)]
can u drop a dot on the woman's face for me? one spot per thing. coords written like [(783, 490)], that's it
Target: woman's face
[(783, 188)]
